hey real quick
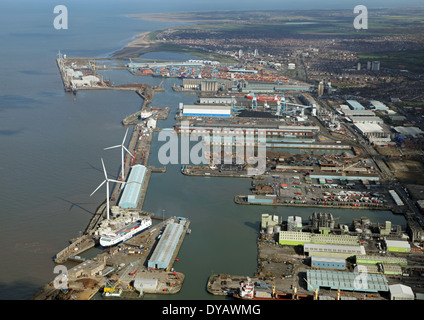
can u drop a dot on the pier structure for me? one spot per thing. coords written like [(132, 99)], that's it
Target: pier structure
[(91, 275)]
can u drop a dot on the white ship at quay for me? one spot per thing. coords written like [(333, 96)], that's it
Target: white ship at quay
[(121, 229)]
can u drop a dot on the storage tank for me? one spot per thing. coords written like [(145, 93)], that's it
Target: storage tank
[(269, 229)]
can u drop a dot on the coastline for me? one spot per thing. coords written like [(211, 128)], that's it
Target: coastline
[(141, 44)]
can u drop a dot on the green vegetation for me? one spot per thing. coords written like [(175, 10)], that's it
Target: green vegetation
[(411, 60)]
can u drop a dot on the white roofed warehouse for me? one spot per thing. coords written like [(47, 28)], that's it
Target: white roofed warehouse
[(162, 254), (131, 194), (206, 111), (401, 292)]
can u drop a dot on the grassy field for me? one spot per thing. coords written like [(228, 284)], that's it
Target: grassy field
[(410, 60)]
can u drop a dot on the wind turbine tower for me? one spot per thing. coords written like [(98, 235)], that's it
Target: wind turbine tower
[(107, 180)]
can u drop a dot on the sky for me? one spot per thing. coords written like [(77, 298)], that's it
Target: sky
[(150, 6), (207, 5)]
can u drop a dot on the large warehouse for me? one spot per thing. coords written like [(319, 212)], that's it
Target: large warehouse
[(355, 105), (206, 111), (165, 248), (346, 281), (333, 250), (132, 188)]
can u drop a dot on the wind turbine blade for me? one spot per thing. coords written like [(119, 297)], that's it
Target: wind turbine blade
[(111, 147), (127, 151), (98, 188), (116, 181), (104, 169), (125, 137)]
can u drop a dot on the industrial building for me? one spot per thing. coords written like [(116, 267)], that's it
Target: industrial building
[(375, 133), (366, 120), (301, 238), (377, 105), (206, 111), (146, 285), (396, 198), (413, 132), (401, 292), (398, 246), (360, 113), (355, 105), (294, 238), (86, 268), (294, 223), (268, 220), (328, 263), (267, 199), (242, 129), (346, 281), (333, 250), (218, 100), (207, 85), (133, 186), (162, 254), (258, 87)]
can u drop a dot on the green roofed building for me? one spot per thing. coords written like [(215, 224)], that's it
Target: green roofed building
[(373, 259), (300, 238)]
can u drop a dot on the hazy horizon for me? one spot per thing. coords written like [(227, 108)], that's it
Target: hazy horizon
[(139, 7)]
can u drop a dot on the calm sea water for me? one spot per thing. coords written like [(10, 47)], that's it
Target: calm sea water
[(51, 145)]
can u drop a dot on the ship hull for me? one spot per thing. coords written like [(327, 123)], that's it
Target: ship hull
[(278, 297)]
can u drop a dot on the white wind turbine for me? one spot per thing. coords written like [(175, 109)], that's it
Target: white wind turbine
[(122, 154), (107, 180)]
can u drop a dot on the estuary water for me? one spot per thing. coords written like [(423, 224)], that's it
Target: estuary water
[(51, 144)]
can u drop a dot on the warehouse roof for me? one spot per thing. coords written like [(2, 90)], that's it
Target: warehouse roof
[(132, 188), (369, 127), (378, 105), (355, 105), (316, 247), (164, 250), (398, 244), (401, 291), (366, 118), (357, 112), (328, 259), (206, 107), (350, 281), (409, 131)]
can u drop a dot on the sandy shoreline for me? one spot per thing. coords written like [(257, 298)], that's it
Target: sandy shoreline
[(141, 44)]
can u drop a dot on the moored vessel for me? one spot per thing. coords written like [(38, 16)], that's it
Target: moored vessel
[(248, 291), (112, 237)]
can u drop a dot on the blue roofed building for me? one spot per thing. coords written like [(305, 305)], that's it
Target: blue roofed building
[(162, 254), (355, 105), (133, 186)]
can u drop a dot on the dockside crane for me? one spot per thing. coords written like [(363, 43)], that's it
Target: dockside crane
[(315, 290), (348, 167)]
